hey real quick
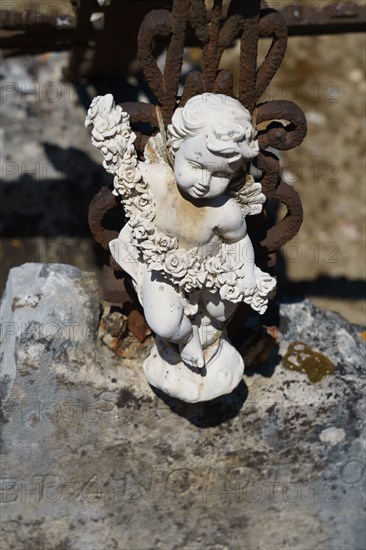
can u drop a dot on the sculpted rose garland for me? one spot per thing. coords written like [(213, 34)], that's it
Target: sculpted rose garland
[(112, 134), (176, 264)]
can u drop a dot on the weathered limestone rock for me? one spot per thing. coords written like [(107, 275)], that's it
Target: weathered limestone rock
[(92, 458), (48, 312)]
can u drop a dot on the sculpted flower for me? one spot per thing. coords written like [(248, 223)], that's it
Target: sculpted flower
[(189, 283), (213, 265), (231, 293), (228, 277), (248, 285), (129, 182), (196, 274), (130, 175), (265, 282), (147, 214), (258, 303), (128, 207), (130, 162), (143, 202), (120, 143), (101, 124), (194, 279), (110, 166), (105, 103), (106, 117), (142, 230), (156, 261), (104, 127), (141, 186), (230, 263), (211, 282), (192, 256), (148, 250), (164, 243), (215, 274), (92, 111), (144, 199), (120, 186), (100, 106), (201, 278), (241, 271), (111, 157), (176, 264)]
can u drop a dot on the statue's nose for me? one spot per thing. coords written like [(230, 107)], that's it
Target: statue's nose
[(206, 177)]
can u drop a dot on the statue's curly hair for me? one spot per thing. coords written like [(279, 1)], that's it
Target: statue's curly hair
[(227, 123)]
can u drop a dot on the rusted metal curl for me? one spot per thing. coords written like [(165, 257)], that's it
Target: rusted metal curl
[(101, 204)]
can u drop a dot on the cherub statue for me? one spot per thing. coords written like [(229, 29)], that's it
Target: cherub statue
[(185, 244)]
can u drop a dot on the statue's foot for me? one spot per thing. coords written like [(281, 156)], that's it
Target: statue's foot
[(191, 352)]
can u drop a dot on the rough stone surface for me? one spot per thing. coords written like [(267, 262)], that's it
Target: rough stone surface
[(49, 314), (92, 458)]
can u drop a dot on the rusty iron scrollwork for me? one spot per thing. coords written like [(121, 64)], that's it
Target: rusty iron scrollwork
[(281, 124)]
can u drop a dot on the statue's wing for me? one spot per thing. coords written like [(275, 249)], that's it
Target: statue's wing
[(249, 196), (156, 151)]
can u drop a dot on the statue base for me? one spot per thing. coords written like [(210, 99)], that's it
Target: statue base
[(223, 372)]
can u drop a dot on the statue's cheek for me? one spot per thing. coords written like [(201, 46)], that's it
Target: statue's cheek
[(186, 179)]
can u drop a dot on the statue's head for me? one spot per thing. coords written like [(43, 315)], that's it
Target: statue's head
[(211, 137)]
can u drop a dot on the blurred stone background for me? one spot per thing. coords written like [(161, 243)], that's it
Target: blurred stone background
[(50, 171)]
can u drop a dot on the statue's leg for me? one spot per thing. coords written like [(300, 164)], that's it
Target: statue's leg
[(164, 313)]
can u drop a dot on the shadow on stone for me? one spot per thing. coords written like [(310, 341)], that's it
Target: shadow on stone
[(208, 414), (259, 345), (265, 368), (323, 286), (55, 196)]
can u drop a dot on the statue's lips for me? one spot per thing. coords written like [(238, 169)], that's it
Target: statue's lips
[(200, 190)]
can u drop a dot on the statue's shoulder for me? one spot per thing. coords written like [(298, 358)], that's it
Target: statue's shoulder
[(230, 218), (229, 207)]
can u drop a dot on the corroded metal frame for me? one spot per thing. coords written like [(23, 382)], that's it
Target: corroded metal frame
[(45, 33), (281, 124)]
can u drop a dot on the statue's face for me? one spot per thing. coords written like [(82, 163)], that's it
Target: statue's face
[(200, 173)]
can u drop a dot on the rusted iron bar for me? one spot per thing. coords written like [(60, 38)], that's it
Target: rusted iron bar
[(39, 29), (32, 32), (333, 18), (34, 21)]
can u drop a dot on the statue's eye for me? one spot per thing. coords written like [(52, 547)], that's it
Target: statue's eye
[(195, 165), (220, 174)]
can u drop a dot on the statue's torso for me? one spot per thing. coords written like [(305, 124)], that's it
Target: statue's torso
[(192, 224)]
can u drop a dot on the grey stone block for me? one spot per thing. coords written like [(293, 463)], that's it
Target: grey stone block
[(93, 458)]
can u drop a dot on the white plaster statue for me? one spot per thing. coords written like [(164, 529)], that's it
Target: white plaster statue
[(185, 244)]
